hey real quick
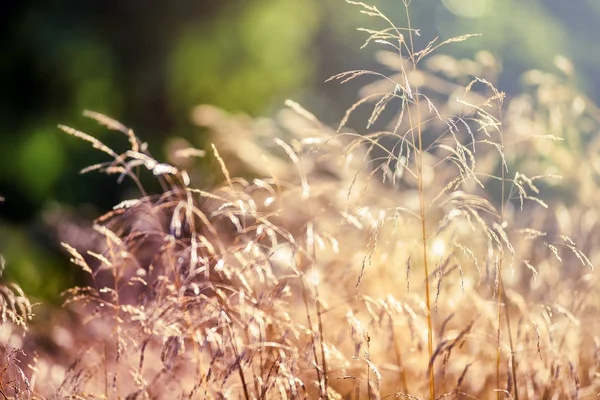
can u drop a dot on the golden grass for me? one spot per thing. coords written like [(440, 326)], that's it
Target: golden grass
[(414, 260)]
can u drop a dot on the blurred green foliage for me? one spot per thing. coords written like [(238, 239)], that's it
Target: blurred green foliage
[(244, 61), (148, 64)]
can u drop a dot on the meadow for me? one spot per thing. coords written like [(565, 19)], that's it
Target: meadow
[(445, 251)]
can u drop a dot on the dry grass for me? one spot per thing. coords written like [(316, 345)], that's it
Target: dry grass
[(15, 313), (416, 259)]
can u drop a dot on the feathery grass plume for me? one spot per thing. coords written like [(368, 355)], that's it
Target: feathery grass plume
[(193, 269), (410, 135), (15, 314), (15, 307), (466, 228), (453, 141)]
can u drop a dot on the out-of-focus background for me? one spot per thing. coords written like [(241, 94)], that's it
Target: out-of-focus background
[(148, 64)]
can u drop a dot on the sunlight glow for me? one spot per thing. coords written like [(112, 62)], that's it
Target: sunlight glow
[(468, 8), (438, 248)]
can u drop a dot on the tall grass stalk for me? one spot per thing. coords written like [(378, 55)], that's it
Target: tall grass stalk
[(502, 302), (422, 207)]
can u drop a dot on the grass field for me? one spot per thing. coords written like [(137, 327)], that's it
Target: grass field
[(444, 251)]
